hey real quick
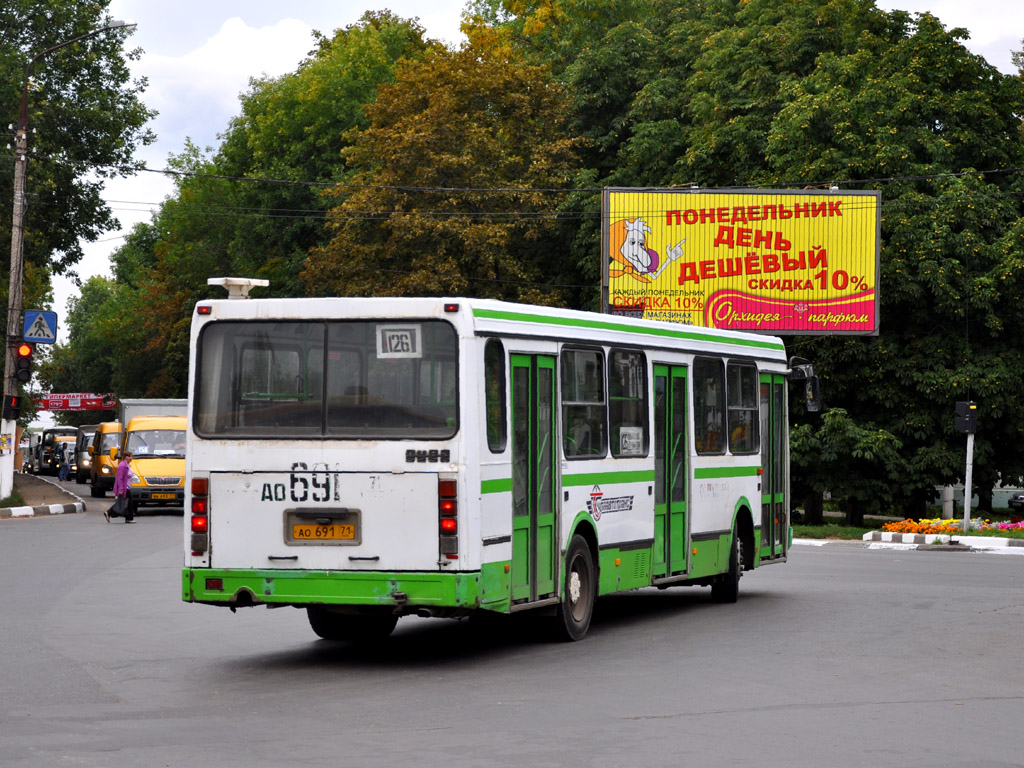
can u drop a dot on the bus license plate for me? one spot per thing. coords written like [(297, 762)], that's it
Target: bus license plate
[(334, 532), (162, 496)]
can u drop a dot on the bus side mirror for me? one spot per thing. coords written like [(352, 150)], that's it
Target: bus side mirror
[(113, 453), (92, 450), (801, 369), (813, 389)]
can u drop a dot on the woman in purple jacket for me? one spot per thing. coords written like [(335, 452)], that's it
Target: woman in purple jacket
[(122, 484)]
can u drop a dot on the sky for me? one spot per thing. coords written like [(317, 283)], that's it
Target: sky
[(198, 56)]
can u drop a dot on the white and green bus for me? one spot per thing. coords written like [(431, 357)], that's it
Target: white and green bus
[(370, 458)]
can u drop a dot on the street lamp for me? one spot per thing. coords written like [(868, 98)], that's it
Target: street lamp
[(8, 427)]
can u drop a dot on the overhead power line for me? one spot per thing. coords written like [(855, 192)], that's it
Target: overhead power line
[(797, 184), (549, 190)]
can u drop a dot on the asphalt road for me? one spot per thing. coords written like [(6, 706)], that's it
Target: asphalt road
[(842, 657)]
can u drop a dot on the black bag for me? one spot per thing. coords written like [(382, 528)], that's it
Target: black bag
[(120, 507)]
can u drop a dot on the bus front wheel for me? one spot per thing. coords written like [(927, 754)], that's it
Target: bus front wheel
[(580, 591), (350, 628)]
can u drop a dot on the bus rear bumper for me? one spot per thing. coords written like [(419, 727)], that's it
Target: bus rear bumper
[(405, 592)]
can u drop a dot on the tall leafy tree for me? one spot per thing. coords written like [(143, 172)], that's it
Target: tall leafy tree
[(293, 129), (456, 178), (907, 110), (88, 119)]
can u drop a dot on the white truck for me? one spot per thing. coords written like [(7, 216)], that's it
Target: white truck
[(129, 408)]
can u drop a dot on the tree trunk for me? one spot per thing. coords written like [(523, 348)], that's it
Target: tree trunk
[(814, 508), (984, 498), (854, 513), (916, 506)]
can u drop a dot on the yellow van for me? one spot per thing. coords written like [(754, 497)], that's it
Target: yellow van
[(157, 445), (101, 473)]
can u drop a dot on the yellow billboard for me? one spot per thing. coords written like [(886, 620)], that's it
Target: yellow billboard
[(783, 262)]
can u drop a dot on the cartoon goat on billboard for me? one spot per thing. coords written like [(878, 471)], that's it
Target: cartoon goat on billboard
[(630, 255)]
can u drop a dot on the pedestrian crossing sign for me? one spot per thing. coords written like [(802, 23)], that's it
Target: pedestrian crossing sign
[(40, 326)]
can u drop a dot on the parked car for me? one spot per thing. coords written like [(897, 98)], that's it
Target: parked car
[(1017, 501)]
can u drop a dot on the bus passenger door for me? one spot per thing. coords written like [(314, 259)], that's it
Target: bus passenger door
[(670, 448), (533, 484), (774, 522)]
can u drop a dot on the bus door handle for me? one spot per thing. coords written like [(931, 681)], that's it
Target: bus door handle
[(371, 559), (282, 557)]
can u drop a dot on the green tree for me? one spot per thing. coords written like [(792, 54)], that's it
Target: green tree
[(909, 109), (860, 465), (293, 129), (88, 120), (456, 177), (722, 93), (101, 353), (253, 206)]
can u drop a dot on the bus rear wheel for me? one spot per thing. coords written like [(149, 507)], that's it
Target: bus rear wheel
[(727, 589), (580, 590), (350, 628)]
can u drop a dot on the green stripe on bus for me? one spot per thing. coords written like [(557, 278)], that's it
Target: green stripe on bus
[(502, 485), (704, 473), (605, 325), (608, 478)]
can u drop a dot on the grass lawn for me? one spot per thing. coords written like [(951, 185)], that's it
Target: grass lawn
[(14, 500), (830, 531)]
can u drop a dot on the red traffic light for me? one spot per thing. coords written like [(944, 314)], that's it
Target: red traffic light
[(12, 406), (23, 361)]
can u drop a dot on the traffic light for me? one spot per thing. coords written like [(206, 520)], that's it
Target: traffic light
[(23, 361), (12, 407), (966, 416)]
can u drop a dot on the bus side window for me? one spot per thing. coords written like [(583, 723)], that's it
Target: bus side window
[(584, 409), (494, 395), (627, 403), (743, 418), (708, 405)]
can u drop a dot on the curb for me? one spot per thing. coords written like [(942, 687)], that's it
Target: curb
[(47, 509), (78, 506), (936, 543), (907, 538), (932, 539)]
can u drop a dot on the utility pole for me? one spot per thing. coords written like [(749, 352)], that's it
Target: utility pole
[(8, 427)]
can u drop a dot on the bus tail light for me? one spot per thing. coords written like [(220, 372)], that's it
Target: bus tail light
[(200, 516), (448, 521)]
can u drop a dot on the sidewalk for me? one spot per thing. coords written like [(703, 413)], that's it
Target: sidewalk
[(42, 496)]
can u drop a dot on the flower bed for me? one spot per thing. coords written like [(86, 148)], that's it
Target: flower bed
[(938, 525)]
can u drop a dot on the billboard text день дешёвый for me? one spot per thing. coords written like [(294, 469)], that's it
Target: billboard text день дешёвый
[(787, 262)]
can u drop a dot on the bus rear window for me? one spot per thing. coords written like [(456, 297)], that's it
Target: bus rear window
[(347, 379)]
